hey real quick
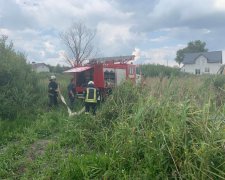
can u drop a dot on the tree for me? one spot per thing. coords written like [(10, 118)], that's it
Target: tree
[(18, 84), (79, 41), (58, 69), (192, 47)]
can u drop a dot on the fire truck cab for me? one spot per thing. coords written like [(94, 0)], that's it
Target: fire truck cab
[(106, 73)]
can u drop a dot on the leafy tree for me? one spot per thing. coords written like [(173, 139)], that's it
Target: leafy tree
[(18, 84), (79, 41), (192, 47)]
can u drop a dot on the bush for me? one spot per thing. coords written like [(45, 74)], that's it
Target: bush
[(18, 84), (121, 103), (219, 81), (151, 70)]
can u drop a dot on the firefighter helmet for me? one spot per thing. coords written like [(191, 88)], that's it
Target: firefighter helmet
[(90, 82), (52, 77)]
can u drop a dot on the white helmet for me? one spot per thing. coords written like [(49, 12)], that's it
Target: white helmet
[(52, 77), (90, 82)]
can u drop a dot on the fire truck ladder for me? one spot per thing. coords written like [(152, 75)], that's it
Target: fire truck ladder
[(116, 59)]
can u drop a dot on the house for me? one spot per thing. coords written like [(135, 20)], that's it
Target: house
[(40, 67), (203, 62)]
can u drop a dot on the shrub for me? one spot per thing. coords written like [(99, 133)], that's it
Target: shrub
[(152, 70), (121, 103), (219, 81), (17, 82)]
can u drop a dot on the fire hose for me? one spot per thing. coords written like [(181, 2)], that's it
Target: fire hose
[(68, 109)]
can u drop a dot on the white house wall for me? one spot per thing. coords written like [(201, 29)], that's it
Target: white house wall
[(201, 63), (42, 69), (223, 57)]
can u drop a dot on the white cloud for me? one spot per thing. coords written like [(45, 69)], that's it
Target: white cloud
[(58, 58), (61, 54), (53, 61), (42, 54), (186, 9), (219, 4), (116, 39), (112, 33), (150, 25), (5, 31), (49, 46), (62, 13), (159, 39), (163, 56), (104, 9)]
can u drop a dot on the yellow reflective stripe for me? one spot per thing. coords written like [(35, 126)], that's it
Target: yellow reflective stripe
[(86, 98), (95, 95), (91, 101), (94, 100)]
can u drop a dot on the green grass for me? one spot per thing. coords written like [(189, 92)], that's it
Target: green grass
[(173, 128)]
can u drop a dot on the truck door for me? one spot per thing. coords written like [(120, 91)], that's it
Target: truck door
[(120, 76)]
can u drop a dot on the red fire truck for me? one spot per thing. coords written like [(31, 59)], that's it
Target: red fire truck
[(106, 73)]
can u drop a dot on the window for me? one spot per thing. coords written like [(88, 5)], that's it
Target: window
[(197, 71), (131, 70), (109, 77), (207, 70)]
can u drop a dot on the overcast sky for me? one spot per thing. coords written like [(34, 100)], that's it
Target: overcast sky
[(153, 30)]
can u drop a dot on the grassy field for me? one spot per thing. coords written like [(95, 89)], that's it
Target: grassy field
[(169, 128)]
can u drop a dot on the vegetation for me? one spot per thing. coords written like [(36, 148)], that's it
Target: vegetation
[(168, 129), (192, 47), (18, 84), (58, 69), (171, 127), (152, 70), (79, 41)]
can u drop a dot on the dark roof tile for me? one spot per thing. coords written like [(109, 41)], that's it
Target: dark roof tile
[(212, 57)]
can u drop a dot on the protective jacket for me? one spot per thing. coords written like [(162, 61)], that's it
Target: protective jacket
[(52, 88), (91, 95), (71, 90)]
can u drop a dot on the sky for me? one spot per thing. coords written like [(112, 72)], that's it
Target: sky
[(153, 30)]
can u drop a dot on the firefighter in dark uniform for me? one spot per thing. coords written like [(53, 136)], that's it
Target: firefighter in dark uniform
[(90, 98), (53, 91), (71, 88)]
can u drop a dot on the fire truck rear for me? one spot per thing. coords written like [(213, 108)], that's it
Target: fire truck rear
[(106, 73)]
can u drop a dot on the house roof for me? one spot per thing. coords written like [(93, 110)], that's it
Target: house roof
[(212, 57), (36, 65)]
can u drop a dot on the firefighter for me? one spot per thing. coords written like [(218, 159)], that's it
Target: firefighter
[(90, 98), (53, 91), (71, 92)]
